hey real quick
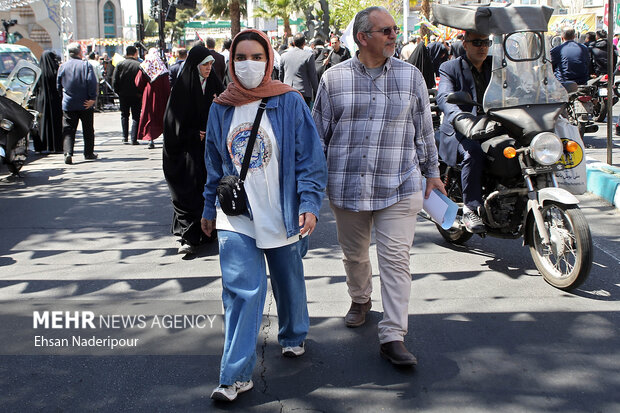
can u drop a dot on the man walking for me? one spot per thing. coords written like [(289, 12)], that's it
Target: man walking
[(373, 117), (175, 69), (219, 66), (130, 97), (77, 83), (297, 69)]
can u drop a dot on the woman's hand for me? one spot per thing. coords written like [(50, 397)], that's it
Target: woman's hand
[(307, 222), (202, 135), (207, 225)]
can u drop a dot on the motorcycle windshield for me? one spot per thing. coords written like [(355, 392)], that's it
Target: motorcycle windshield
[(522, 73)]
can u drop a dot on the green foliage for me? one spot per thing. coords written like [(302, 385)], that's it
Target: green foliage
[(176, 27), (219, 9), (343, 11)]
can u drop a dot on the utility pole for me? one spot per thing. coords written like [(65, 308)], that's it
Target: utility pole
[(140, 26), (610, 78)]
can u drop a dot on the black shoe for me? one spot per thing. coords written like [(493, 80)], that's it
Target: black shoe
[(135, 143), (396, 353), (68, 159), (91, 156), (151, 145), (473, 223), (126, 141)]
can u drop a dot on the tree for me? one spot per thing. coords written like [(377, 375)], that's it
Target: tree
[(177, 27), (231, 9), (282, 9), (345, 10)]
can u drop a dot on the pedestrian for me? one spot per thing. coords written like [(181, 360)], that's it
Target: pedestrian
[(49, 105), (175, 69), (571, 60), (336, 53), (598, 51), (408, 48), (77, 82), (421, 58), (297, 69), (219, 66), (285, 183), (379, 141), (185, 124), (154, 83), (129, 96), (439, 53), (456, 47)]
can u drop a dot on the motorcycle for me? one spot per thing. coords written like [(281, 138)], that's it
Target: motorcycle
[(600, 98), (16, 121), (580, 110), (521, 193)]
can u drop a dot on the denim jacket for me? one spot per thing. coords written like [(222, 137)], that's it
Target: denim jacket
[(303, 169)]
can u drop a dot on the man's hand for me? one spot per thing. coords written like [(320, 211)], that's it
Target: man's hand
[(89, 104), (202, 135), (434, 183), (307, 222), (207, 225), (475, 127)]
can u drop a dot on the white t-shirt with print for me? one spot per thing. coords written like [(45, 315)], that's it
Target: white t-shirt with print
[(262, 183)]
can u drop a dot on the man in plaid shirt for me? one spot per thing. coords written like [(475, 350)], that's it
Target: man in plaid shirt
[(373, 117)]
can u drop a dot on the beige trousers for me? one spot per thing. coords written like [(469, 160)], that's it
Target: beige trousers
[(394, 232)]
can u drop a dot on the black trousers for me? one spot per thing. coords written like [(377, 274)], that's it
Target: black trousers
[(70, 121), (130, 103)]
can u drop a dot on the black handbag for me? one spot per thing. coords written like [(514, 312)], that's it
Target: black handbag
[(230, 191)]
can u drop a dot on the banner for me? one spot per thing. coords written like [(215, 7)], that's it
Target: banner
[(582, 23)]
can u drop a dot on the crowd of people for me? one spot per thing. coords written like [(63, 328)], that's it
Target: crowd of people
[(356, 126)]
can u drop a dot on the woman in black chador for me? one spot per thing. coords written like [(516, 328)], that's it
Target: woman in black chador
[(49, 105), (185, 123)]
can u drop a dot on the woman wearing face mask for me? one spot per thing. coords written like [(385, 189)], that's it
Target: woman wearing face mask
[(284, 186), (185, 124)]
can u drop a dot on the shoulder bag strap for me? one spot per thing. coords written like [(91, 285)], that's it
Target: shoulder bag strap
[(250, 147)]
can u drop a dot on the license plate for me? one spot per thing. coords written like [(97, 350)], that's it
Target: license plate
[(602, 92)]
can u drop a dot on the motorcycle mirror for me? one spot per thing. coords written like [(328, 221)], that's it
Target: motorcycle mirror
[(461, 98), (26, 75)]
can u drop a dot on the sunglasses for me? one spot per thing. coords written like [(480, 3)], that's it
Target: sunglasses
[(481, 42), (386, 30)]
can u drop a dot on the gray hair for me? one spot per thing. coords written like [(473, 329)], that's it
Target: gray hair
[(362, 23), (75, 50)]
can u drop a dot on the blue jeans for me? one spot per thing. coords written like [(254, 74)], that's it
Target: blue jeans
[(244, 282)]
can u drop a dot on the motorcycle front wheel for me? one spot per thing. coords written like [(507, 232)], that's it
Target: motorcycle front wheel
[(566, 262)]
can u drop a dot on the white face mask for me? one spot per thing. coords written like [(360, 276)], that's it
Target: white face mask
[(250, 73)]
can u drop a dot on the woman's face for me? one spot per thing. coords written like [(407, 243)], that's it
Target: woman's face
[(250, 50), (205, 69)]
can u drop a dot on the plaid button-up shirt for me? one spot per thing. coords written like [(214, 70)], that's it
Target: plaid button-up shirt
[(377, 134)]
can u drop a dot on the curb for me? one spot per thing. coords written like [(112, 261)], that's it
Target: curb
[(604, 181)]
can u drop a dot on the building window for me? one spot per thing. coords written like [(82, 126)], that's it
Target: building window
[(109, 20)]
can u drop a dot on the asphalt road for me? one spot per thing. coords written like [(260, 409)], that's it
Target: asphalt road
[(489, 333)]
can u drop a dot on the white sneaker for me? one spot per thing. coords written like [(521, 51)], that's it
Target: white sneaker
[(296, 351), (187, 249), (229, 393)]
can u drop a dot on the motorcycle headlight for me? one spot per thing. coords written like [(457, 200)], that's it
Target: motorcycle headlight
[(6, 124), (546, 148)]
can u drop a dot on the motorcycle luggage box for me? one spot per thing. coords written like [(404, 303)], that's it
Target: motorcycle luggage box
[(496, 163)]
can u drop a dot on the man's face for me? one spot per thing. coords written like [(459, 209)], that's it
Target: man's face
[(377, 42), (335, 44), (476, 52)]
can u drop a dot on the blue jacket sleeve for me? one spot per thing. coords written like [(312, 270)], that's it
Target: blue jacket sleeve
[(310, 164), (213, 161)]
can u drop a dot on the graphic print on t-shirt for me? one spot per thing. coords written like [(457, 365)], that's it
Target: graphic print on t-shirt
[(261, 153)]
